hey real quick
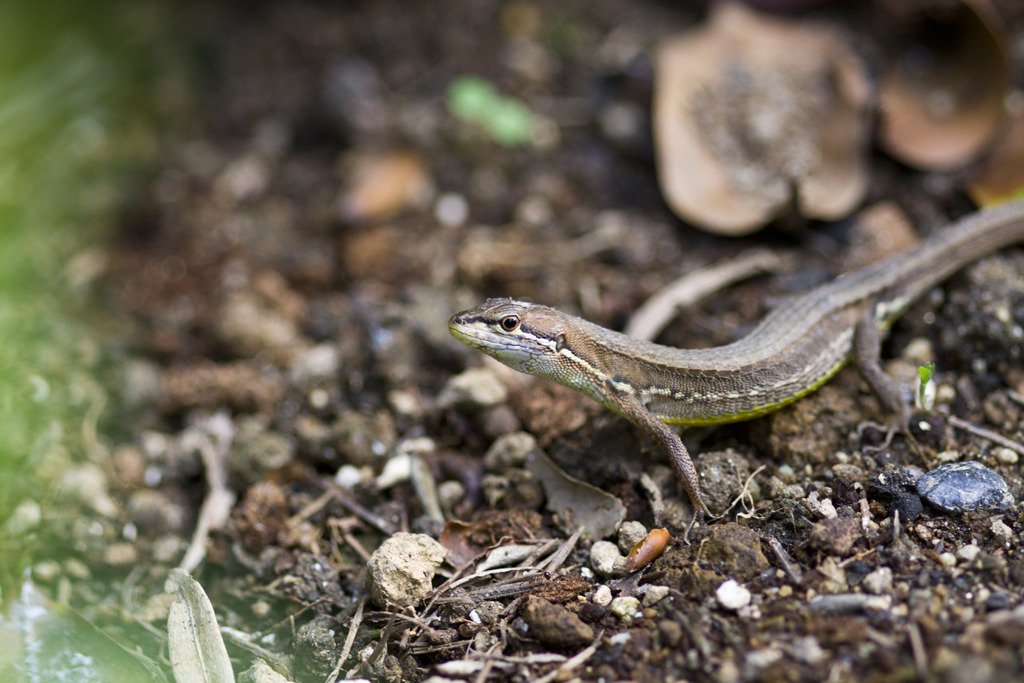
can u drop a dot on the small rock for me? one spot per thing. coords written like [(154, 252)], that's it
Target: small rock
[(630, 533), (321, 363), (947, 560), (964, 487), (397, 470), (509, 451), (1000, 529), (836, 536), (450, 493), (554, 625), (1005, 455), (998, 601), (723, 476), (879, 581), (732, 595), (363, 439), (808, 650), (604, 556), (969, 552), (348, 476), (261, 672), (625, 607), (476, 388), (602, 596), (823, 507), (655, 594), (893, 488), (486, 612), (381, 185), (399, 573), (735, 550)]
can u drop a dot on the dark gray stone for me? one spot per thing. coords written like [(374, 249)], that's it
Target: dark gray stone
[(964, 487)]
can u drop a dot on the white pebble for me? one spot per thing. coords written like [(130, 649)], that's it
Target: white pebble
[(732, 595), (1005, 455), (602, 596), (603, 555), (451, 209), (348, 476)]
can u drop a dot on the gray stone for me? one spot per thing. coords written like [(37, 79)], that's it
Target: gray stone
[(964, 487)]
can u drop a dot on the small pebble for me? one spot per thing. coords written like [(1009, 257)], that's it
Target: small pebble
[(879, 581), (509, 451), (963, 487), (947, 560), (555, 625), (808, 650), (998, 601), (348, 476), (487, 612), (604, 555), (451, 209), (732, 595), (1000, 529), (1005, 455), (630, 533), (474, 388), (602, 596), (625, 607), (256, 450), (450, 493), (969, 552), (655, 594)]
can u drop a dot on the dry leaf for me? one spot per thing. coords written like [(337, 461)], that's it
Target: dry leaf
[(381, 185), (754, 115), (942, 95), (599, 512), (197, 650)]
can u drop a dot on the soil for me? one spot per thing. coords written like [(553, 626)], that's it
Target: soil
[(280, 290)]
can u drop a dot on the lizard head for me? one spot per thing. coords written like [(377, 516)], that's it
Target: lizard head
[(524, 336)]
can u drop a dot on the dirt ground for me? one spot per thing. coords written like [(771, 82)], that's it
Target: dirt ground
[(279, 293)]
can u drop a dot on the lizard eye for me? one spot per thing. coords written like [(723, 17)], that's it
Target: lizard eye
[(509, 323)]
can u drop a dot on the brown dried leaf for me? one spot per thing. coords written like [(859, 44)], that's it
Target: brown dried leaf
[(755, 114), (596, 510), (942, 95), (381, 185)]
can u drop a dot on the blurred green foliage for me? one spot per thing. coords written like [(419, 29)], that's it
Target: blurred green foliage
[(507, 120), (76, 121)]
